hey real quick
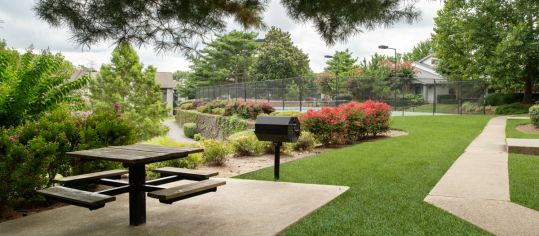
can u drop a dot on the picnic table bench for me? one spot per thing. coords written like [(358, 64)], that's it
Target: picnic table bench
[(134, 158)]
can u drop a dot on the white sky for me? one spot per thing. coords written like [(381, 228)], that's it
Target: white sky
[(21, 28)]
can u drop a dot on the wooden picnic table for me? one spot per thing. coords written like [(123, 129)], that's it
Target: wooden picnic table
[(135, 157)]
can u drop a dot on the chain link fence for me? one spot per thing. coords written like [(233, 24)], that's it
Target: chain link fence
[(406, 96)]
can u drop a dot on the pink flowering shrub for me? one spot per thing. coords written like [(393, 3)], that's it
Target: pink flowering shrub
[(348, 122), (248, 110)]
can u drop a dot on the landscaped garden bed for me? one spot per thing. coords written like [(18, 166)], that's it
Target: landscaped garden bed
[(388, 180)]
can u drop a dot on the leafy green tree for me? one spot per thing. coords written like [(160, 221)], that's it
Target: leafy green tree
[(225, 59), (420, 51), (489, 40), (374, 80), (341, 65), (177, 23), (278, 58), (32, 84), (125, 84)]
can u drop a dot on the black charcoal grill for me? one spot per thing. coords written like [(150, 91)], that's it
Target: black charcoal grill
[(277, 129)]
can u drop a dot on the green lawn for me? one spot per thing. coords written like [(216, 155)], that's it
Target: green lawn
[(512, 132), (388, 180), (524, 180), (440, 108)]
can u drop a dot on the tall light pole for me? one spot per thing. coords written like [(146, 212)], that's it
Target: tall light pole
[(394, 49), (336, 81), (395, 75)]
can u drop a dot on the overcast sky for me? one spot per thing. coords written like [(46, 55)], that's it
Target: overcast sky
[(21, 28)]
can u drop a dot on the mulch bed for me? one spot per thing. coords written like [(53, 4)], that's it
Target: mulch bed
[(528, 128)]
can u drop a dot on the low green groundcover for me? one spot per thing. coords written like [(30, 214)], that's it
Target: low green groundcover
[(524, 180), (388, 180)]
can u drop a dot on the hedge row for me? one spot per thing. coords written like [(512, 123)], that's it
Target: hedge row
[(213, 126)]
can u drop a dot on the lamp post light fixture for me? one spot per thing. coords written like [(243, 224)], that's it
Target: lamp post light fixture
[(395, 76), (394, 49), (336, 82)]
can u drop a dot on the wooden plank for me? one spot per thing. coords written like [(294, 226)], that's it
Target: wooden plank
[(159, 149), (184, 190), (77, 197), (91, 176), (132, 156), (186, 173)]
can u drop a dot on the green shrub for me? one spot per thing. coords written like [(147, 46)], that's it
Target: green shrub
[(32, 154), (198, 137), (187, 106), (215, 152), (192, 161), (183, 116), (534, 115), (515, 108), (246, 143), (286, 148), (248, 110), (306, 142), (231, 125), (218, 111), (471, 107), (413, 99), (497, 99), (190, 129), (203, 109)]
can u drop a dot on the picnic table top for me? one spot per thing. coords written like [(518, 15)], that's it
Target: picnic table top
[(135, 153)]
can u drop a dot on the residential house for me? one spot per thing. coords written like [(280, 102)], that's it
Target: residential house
[(427, 81), (168, 87)]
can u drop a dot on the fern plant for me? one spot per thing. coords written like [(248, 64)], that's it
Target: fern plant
[(32, 84)]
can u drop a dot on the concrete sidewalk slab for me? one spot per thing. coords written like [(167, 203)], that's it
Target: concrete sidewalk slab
[(497, 217), (476, 187), (523, 146), (518, 117), (241, 207)]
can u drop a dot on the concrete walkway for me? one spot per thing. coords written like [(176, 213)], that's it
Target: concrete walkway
[(476, 187), (175, 132), (241, 207)]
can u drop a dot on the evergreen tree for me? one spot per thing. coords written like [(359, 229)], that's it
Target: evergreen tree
[(278, 58), (125, 83), (175, 24), (225, 59), (342, 63)]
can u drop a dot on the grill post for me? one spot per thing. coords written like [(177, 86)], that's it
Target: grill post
[(277, 146)]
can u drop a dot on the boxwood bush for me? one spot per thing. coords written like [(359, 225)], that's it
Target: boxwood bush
[(306, 142), (515, 108), (190, 129), (534, 115), (215, 152), (32, 154), (246, 143)]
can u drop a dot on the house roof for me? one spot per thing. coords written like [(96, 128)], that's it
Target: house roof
[(165, 80), (425, 71)]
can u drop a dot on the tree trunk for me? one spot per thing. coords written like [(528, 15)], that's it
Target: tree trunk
[(528, 89)]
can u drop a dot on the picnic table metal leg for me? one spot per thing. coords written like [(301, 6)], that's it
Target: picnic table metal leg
[(137, 196)]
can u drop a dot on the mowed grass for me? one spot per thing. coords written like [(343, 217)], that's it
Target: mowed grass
[(524, 180), (440, 108), (388, 180), (512, 132)]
